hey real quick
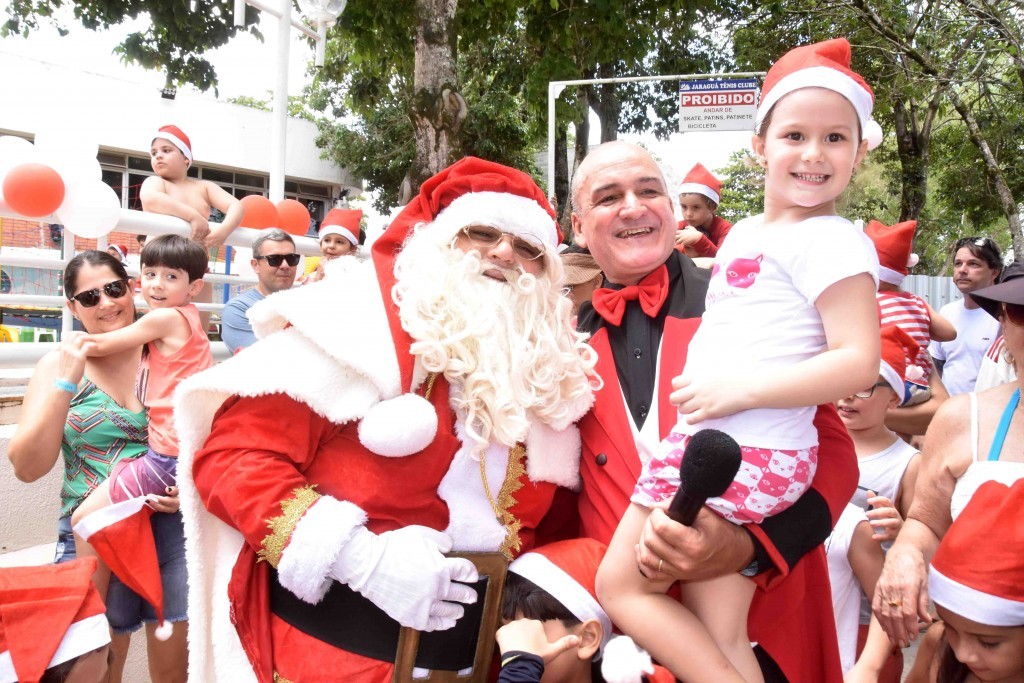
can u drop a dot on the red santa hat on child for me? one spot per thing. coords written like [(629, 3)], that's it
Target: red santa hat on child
[(122, 251), (821, 65), (122, 536), (469, 191), (344, 222), (700, 180), (978, 570), (893, 244), (176, 137), (898, 353), (48, 615)]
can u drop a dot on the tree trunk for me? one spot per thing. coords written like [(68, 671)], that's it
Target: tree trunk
[(582, 123), (913, 146), (437, 109), (605, 101), (561, 179)]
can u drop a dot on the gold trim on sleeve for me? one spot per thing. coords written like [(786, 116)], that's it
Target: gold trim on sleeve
[(281, 527), (278, 678)]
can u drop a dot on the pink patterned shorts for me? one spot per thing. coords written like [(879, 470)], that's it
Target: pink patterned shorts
[(768, 482)]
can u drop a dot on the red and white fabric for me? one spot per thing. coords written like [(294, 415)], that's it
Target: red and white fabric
[(910, 313), (699, 180), (344, 222), (898, 351), (893, 244), (176, 137)]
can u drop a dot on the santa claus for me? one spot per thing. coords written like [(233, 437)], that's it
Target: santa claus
[(404, 407)]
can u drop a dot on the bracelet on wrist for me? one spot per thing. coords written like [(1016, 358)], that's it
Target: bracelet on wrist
[(65, 385)]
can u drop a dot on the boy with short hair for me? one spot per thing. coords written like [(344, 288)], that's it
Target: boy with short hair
[(173, 193), (701, 231)]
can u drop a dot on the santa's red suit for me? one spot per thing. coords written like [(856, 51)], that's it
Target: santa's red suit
[(791, 617), (305, 441)]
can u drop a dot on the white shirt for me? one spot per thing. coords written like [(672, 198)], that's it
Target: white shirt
[(846, 590), (760, 314), (975, 332)]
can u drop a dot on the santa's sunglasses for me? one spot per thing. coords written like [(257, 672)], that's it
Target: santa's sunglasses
[(274, 260), (91, 297)]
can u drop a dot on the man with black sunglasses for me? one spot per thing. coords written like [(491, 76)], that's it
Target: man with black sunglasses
[(976, 264), (274, 261)]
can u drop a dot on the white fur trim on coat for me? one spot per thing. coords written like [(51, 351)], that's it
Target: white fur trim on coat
[(314, 545), (554, 456)]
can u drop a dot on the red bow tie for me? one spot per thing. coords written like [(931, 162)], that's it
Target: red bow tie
[(610, 304)]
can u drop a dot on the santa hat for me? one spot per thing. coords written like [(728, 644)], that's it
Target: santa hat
[(469, 191), (48, 615), (122, 536), (821, 65), (898, 353), (177, 137), (122, 251), (700, 180), (344, 222), (978, 570), (567, 571), (893, 244)]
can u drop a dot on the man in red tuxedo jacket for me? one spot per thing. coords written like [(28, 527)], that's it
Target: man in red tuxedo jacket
[(622, 212)]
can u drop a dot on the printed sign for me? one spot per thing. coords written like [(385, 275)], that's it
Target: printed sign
[(708, 105)]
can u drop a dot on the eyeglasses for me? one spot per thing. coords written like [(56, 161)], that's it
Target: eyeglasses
[(983, 242), (1014, 313), (274, 260), (91, 297), (488, 236), (868, 393)]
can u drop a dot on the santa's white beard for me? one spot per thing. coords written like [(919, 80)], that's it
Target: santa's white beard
[(507, 349)]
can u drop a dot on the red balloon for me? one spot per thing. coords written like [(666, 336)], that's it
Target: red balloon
[(294, 217), (33, 190), (259, 212)]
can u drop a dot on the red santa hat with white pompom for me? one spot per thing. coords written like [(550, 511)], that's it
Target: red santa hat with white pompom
[(700, 180), (821, 65), (893, 244), (469, 191), (898, 353)]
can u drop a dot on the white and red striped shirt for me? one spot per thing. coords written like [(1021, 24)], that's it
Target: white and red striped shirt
[(909, 312)]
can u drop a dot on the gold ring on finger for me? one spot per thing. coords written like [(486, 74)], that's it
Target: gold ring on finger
[(660, 564)]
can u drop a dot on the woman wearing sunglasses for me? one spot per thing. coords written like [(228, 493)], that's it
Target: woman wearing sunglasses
[(86, 410), (974, 438)]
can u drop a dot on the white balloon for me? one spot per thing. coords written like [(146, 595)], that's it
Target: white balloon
[(91, 209), (14, 151)]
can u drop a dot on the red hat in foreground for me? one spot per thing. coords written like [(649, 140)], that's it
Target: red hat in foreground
[(978, 570), (48, 615), (121, 534), (893, 244), (344, 222), (700, 180), (469, 191), (177, 137), (821, 65)]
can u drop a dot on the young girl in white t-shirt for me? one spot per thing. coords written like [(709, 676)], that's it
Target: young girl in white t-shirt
[(791, 322)]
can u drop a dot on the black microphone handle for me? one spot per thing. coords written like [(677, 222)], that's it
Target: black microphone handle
[(685, 506)]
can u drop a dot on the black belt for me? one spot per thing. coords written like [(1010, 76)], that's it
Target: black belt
[(350, 622)]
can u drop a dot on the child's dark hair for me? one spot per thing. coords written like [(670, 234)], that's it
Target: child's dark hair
[(527, 599), (59, 673), (94, 258), (175, 251), (951, 669)]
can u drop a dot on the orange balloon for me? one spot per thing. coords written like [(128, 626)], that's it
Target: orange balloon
[(259, 212), (294, 217), (33, 190)]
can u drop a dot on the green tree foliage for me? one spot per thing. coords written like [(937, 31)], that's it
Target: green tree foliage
[(180, 31)]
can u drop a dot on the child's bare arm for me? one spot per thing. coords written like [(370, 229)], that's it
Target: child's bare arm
[(849, 315), (162, 324), (940, 328), (866, 559), (155, 199), (230, 206)]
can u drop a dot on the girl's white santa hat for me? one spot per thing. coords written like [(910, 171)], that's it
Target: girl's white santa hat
[(344, 222), (176, 137), (893, 244), (898, 353), (821, 65), (122, 536), (470, 191), (978, 570), (700, 180), (49, 615)]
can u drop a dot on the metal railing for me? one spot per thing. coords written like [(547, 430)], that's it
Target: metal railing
[(28, 353)]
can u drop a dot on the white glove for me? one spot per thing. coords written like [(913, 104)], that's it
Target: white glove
[(405, 573)]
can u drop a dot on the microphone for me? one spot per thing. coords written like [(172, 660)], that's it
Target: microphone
[(710, 463)]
